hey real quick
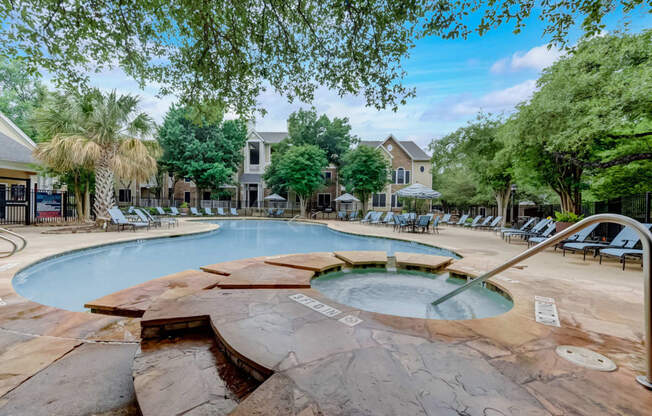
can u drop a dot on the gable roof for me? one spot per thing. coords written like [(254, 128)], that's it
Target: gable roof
[(272, 136), (9, 129), (411, 148), (12, 151)]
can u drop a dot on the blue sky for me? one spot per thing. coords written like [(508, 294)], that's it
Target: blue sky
[(454, 79)]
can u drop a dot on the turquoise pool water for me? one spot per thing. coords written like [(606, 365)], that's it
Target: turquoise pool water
[(410, 294), (70, 280)]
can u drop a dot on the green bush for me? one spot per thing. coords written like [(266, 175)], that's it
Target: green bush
[(184, 205), (568, 217)]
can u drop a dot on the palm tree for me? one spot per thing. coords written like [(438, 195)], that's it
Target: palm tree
[(102, 131)]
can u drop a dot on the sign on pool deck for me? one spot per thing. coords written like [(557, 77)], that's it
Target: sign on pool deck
[(48, 205), (324, 309)]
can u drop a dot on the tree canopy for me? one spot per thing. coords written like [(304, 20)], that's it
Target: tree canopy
[(207, 52), (332, 136), (364, 171), (208, 151), (298, 169)]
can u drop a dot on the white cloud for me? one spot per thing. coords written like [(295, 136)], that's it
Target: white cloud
[(536, 58), (462, 106)]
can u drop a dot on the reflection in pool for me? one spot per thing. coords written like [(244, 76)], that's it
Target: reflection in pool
[(71, 280), (409, 294)]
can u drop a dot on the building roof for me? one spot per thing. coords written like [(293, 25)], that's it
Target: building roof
[(412, 149), (272, 136), (251, 178), (12, 151)]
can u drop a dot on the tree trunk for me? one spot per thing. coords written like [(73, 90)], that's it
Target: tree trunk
[(104, 194), (302, 206), (87, 201), (78, 199), (502, 199)]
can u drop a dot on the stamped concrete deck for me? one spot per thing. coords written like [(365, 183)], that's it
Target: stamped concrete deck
[(382, 365)]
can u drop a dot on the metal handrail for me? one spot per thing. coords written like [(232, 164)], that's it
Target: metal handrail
[(16, 249), (294, 218), (646, 241)]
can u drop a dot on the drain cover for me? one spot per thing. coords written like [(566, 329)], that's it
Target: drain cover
[(585, 358)]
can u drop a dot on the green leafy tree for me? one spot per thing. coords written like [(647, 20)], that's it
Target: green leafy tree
[(204, 51), (206, 150), (298, 169), (21, 93), (364, 172), (591, 112), (332, 136), (102, 132)]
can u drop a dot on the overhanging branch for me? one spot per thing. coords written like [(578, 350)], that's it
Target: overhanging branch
[(623, 160)]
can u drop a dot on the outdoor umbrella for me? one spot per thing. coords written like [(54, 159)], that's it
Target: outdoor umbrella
[(274, 198), (418, 191), (346, 198)]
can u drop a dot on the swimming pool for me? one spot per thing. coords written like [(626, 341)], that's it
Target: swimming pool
[(410, 294), (70, 280)]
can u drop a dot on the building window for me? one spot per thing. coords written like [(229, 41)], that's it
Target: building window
[(396, 202), (207, 196), (407, 176), (186, 197), (421, 169), (324, 200), (254, 153), (378, 200), (328, 175), (186, 179), (124, 195), (400, 176)]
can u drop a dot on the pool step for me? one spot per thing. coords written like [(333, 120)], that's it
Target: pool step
[(175, 376)]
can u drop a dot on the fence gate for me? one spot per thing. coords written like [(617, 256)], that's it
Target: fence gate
[(14, 200)]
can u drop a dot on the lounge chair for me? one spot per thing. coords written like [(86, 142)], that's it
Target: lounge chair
[(473, 223), (533, 239), (220, 211), (144, 218), (194, 212), (208, 212), (271, 212), (621, 254), (353, 216), (484, 222), (234, 212), (524, 227), (423, 222), (446, 219), (162, 220), (280, 212), (536, 229), (376, 218), (341, 215), (462, 220), (389, 218), (435, 225), (367, 217), (400, 222), (627, 238), (131, 210), (119, 219), (174, 211), (161, 211), (495, 223)]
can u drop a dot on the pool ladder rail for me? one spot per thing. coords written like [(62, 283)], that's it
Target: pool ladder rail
[(295, 218), (16, 240), (646, 241)]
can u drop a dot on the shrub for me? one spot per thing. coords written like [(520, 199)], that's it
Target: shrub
[(568, 217)]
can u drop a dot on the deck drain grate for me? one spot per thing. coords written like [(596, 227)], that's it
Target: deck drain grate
[(585, 358)]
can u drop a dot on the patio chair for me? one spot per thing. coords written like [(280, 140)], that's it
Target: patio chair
[(174, 211), (524, 227), (208, 211), (234, 212), (423, 222), (446, 219), (220, 211), (341, 215), (271, 212), (367, 217), (161, 211), (280, 212), (400, 222), (353, 216), (627, 238), (462, 220), (492, 225), (130, 210), (194, 212), (389, 218), (162, 220), (473, 223), (621, 254), (533, 239), (376, 218), (536, 229), (483, 223), (144, 218), (119, 219)]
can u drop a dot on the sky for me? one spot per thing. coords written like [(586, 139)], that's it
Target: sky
[(454, 80)]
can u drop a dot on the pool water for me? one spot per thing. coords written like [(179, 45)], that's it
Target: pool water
[(409, 294), (70, 280)]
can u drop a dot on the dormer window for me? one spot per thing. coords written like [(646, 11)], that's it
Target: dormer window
[(254, 153)]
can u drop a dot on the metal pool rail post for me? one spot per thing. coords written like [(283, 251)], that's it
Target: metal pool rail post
[(646, 241)]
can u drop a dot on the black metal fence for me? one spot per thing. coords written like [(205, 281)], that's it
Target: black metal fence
[(37, 206)]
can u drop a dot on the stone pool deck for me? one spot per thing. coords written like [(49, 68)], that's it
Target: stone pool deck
[(60, 362)]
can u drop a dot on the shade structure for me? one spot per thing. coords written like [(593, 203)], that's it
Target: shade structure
[(346, 198), (274, 197), (418, 191)]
